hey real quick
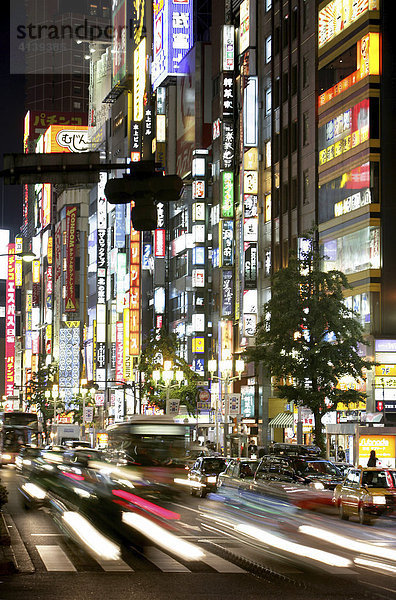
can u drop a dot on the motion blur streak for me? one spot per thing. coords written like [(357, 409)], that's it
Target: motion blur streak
[(348, 542), (191, 483), (163, 538), (91, 537), (146, 505), (364, 562), (34, 491), (73, 476), (297, 549), (81, 493)]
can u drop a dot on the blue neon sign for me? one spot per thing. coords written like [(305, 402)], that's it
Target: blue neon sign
[(173, 37)]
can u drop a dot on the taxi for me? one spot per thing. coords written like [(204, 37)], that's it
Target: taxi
[(366, 493)]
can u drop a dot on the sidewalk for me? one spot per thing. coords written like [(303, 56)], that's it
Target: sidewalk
[(7, 563)]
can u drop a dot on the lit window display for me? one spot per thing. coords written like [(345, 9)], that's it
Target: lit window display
[(360, 304), (349, 191), (354, 252), (348, 130)]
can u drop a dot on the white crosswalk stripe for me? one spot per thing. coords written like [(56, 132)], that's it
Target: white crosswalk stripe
[(220, 564), (166, 563), (55, 559), (114, 565)]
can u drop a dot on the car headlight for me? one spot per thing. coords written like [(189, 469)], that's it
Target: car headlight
[(26, 461), (211, 479), (6, 456), (318, 485), (379, 500)]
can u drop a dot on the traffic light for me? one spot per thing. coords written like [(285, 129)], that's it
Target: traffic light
[(146, 187)]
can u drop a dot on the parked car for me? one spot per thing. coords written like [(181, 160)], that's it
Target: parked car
[(344, 467), (239, 471), (366, 493), (205, 472)]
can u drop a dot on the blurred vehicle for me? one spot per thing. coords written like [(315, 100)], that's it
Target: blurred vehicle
[(343, 467), (82, 455), (205, 472), (293, 463), (154, 445), (78, 444), (16, 430), (24, 461), (238, 472), (193, 453), (366, 493)]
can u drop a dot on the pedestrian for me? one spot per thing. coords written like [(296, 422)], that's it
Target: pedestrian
[(372, 461), (341, 454)]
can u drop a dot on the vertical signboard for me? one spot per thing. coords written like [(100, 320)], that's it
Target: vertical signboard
[(10, 323), (173, 37), (134, 295), (139, 80), (69, 360), (119, 40), (70, 282), (119, 369)]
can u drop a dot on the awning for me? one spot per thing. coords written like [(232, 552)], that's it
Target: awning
[(284, 419)]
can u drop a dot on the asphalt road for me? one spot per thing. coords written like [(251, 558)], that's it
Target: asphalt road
[(52, 566)]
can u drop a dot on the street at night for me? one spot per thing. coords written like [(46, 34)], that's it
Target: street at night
[(197, 300)]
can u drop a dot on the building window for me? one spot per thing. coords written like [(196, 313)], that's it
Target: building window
[(285, 32), (77, 105), (276, 40), (293, 193), (285, 197), (305, 72), (294, 23), (294, 133), (277, 93), (306, 187), (305, 129), (267, 155), (294, 79), (268, 101), (268, 49), (305, 14), (285, 86), (285, 142), (267, 208)]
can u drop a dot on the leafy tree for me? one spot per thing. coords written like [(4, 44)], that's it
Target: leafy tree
[(41, 381), (160, 347), (308, 339)]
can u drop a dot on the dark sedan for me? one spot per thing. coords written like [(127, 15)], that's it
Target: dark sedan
[(204, 473)]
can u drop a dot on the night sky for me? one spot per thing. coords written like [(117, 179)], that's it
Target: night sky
[(11, 120)]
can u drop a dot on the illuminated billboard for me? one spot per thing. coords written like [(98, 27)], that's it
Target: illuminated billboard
[(71, 242), (368, 63), (227, 200), (10, 324), (119, 40), (59, 138), (338, 15), (134, 294), (139, 80), (173, 37), (346, 131)]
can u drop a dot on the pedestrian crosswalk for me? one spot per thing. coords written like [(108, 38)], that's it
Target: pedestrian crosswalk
[(54, 558)]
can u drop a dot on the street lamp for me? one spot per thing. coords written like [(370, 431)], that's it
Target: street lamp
[(168, 374), (27, 257), (226, 367)]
